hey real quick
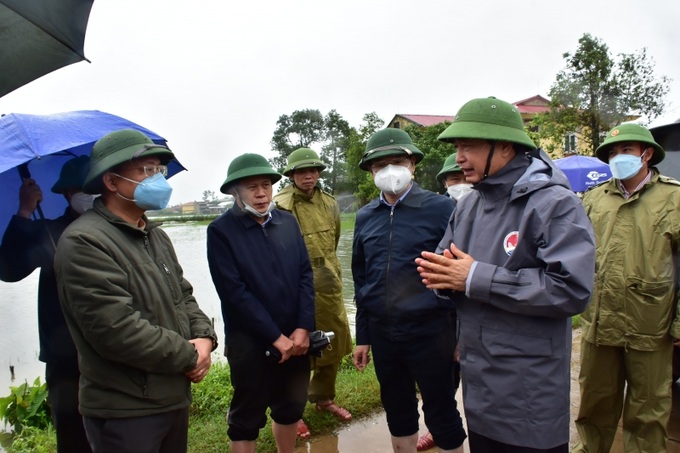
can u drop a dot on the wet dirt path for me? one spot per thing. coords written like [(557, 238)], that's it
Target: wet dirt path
[(370, 435)]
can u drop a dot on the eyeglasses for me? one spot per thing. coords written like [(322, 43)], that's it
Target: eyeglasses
[(382, 163), (150, 170)]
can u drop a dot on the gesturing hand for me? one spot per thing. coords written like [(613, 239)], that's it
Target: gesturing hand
[(446, 271)]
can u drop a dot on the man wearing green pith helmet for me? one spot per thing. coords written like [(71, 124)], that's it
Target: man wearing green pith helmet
[(141, 337), (405, 326), (517, 262), (318, 214), (632, 321), (261, 271)]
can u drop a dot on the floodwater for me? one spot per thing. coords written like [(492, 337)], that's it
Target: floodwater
[(19, 345), (18, 318)]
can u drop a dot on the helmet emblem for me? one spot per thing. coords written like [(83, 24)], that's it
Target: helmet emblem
[(615, 132)]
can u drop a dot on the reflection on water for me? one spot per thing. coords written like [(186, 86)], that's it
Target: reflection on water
[(18, 317)]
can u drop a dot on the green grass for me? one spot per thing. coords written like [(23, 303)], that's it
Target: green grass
[(347, 221), (358, 392)]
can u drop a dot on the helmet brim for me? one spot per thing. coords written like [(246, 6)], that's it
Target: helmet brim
[(248, 172), (93, 182), (485, 131), (400, 150), (602, 151)]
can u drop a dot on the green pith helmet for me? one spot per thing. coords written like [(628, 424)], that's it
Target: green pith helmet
[(303, 158), (389, 142), (450, 166), (72, 174), (116, 148), (630, 133), (488, 119), (246, 165)]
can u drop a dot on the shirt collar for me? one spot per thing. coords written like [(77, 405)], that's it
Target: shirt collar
[(627, 194), (382, 198)]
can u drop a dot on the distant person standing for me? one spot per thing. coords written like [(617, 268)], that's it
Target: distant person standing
[(318, 214), (26, 246), (405, 325), (632, 321), (261, 270), (453, 178), (141, 337)]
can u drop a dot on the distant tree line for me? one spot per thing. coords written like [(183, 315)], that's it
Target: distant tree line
[(590, 95)]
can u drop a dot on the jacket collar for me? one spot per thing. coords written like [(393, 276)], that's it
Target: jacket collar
[(100, 208), (413, 199), (500, 184), (611, 186), (247, 220)]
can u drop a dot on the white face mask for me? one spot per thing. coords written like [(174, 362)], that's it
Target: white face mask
[(81, 202), (254, 212), (393, 179), (457, 191)]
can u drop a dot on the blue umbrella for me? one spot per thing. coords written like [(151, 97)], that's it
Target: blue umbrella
[(583, 172), (43, 143)]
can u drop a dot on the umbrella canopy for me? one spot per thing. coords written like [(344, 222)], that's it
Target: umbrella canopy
[(46, 142), (583, 172), (38, 37)]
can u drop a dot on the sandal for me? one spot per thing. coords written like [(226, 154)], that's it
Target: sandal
[(335, 410), (425, 442), (303, 430)]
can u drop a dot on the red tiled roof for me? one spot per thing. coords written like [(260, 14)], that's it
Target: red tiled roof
[(533, 105), (427, 120), (532, 108)]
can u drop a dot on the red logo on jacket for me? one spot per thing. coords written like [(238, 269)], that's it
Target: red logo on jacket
[(510, 242)]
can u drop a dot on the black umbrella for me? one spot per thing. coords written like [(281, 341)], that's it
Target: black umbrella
[(38, 37)]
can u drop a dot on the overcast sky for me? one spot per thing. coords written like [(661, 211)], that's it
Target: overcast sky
[(213, 76)]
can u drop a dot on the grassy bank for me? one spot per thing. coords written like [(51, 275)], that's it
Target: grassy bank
[(359, 392)]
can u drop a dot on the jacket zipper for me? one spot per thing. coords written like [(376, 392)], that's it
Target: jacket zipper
[(166, 269), (388, 304)]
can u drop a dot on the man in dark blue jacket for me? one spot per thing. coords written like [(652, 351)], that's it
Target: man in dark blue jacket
[(405, 325), (261, 270), (30, 244)]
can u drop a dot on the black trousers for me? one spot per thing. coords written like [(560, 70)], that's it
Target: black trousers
[(481, 444), (160, 433), (62, 394)]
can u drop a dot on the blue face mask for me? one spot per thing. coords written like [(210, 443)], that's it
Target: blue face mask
[(625, 166), (152, 193)]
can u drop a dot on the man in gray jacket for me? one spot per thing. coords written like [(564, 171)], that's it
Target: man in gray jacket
[(140, 335), (518, 261)]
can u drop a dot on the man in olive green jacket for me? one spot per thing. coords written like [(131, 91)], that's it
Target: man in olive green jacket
[(140, 335), (631, 323), (319, 217)]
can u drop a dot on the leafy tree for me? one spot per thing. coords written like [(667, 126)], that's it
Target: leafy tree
[(334, 151), (358, 179), (209, 195), (435, 152), (308, 128), (301, 129), (594, 92)]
